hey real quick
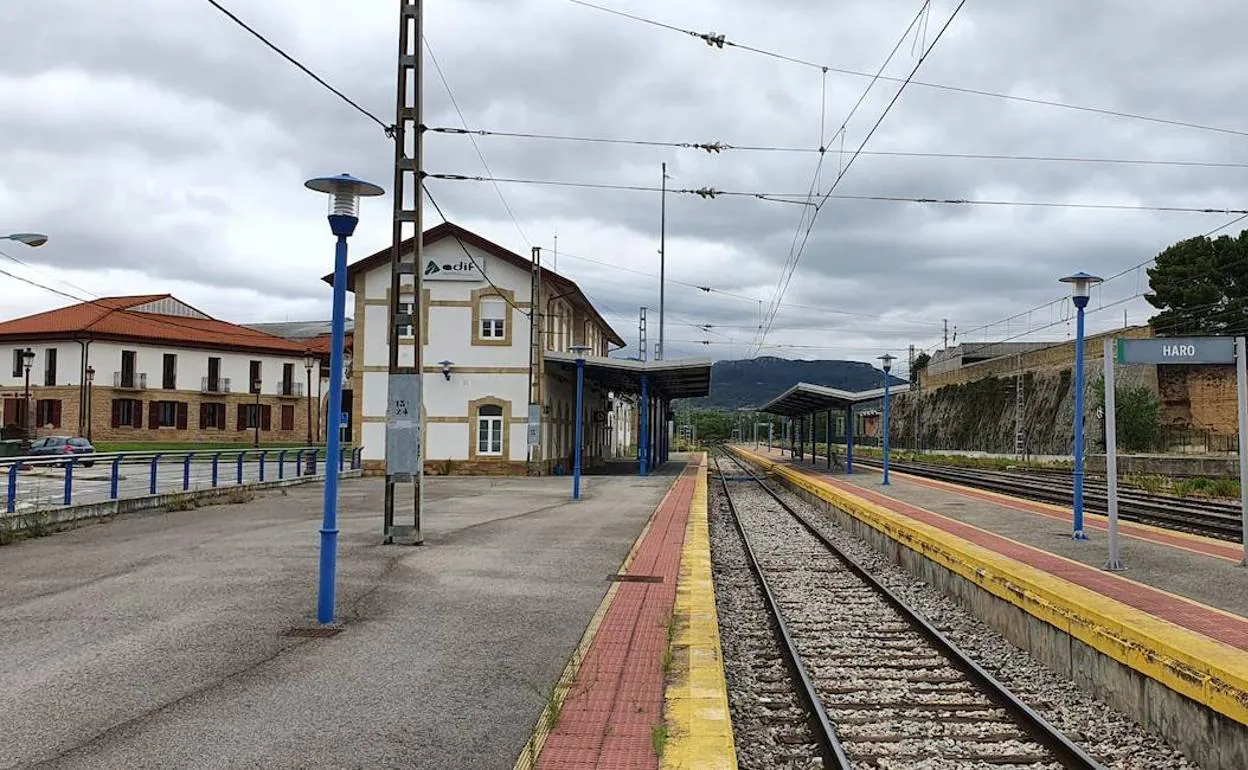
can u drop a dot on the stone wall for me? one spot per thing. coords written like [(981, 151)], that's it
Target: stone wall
[(1199, 397)]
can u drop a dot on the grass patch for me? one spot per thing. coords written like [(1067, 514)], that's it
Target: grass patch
[(181, 503), (1196, 486), (163, 446), (658, 739), (238, 496)]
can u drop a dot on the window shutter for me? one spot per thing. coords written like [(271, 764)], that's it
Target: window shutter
[(221, 417), (266, 417), (153, 414), (288, 418), (181, 415), (242, 417), (138, 413), (56, 413), (116, 413), (203, 416)]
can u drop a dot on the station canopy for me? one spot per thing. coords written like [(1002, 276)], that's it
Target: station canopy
[(805, 398), (674, 378)]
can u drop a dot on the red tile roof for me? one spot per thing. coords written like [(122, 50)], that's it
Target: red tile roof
[(113, 318)]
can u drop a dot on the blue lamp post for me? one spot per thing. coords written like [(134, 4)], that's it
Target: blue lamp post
[(886, 362), (344, 214), (580, 351), (1080, 286)]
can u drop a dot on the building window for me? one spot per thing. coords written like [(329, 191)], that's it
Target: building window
[(214, 375), (493, 318), (405, 331), (18, 365), (253, 378), (168, 414), (49, 368), (169, 372), (490, 430), (251, 414), (128, 358), (288, 417), (212, 416), (127, 412), (48, 412)]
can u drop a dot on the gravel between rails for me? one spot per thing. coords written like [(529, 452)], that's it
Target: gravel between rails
[(768, 719), (1111, 737)]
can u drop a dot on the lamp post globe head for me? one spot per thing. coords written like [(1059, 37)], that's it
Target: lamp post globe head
[(580, 351), (886, 361), (28, 357), (446, 368), (309, 361), (1081, 284), (344, 193), (90, 374), (256, 383), (33, 240)]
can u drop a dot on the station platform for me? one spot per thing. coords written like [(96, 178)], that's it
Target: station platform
[(187, 639), (645, 688), (1176, 615)]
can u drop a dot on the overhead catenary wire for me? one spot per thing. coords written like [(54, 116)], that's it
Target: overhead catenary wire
[(721, 41), (389, 129), (787, 278), (719, 147)]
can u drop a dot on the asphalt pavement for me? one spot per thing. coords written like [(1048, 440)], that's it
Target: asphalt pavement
[(160, 640)]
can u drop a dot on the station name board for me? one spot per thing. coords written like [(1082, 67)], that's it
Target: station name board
[(1177, 350)]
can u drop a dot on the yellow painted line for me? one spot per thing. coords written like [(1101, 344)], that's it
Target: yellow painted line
[(696, 702), (554, 703), (1203, 669)]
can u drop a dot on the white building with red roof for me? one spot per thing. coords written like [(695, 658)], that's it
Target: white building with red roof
[(153, 368)]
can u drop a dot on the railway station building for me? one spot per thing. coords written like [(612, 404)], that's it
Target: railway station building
[(482, 368)]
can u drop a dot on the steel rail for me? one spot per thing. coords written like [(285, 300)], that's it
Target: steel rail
[(1213, 519), (1044, 733), (829, 745)]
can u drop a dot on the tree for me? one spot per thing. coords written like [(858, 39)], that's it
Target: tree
[(1137, 413), (919, 367), (1201, 286)]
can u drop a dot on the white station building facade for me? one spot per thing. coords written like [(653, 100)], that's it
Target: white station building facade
[(479, 361)]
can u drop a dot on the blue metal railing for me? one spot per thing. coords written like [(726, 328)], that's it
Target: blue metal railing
[(149, 464)]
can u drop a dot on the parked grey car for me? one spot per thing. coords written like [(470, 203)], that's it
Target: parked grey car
[(61, 446)]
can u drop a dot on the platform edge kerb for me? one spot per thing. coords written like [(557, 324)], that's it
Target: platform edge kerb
[(532, 749), (1214, 675), (696, 698)]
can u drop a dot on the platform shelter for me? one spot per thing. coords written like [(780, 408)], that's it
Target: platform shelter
[(655, 383), (802, 402)]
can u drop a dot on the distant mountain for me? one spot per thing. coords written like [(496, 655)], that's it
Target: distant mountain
[(755, 381)]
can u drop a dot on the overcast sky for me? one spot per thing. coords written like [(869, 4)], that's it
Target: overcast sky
[(164, 149)]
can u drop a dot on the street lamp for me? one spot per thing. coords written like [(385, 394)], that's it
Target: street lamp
[(28, 358), (33, 240), (887, 362), (308, 362), (344, 214), (580, 351), (90, 379), (255, 386), (446, 368), (1080, 285)]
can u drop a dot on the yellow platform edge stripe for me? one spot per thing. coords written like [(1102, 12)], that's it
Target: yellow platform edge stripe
[(532, 749), (696, 696), (1203, 669)]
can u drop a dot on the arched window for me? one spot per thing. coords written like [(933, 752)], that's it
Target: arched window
[(490, 430)]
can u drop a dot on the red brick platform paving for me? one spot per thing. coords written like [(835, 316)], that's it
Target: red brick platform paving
[(1223, 627), (616, 698)]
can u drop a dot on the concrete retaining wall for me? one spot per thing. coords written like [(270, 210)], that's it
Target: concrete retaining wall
[(1213, 740)]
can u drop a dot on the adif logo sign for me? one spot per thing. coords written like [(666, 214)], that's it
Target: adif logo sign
[(459, 270)]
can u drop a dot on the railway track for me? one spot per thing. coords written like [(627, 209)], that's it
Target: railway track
[(881, 686), (1210, 518)]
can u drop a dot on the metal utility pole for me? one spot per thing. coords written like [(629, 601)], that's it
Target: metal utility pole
[(405, 446), (946, 343), (914, 415), (662, 260), (641, 334), (535, 362), (1018, 407)]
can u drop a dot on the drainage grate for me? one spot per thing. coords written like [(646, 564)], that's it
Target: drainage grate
[(313, 633), (636, 578)]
